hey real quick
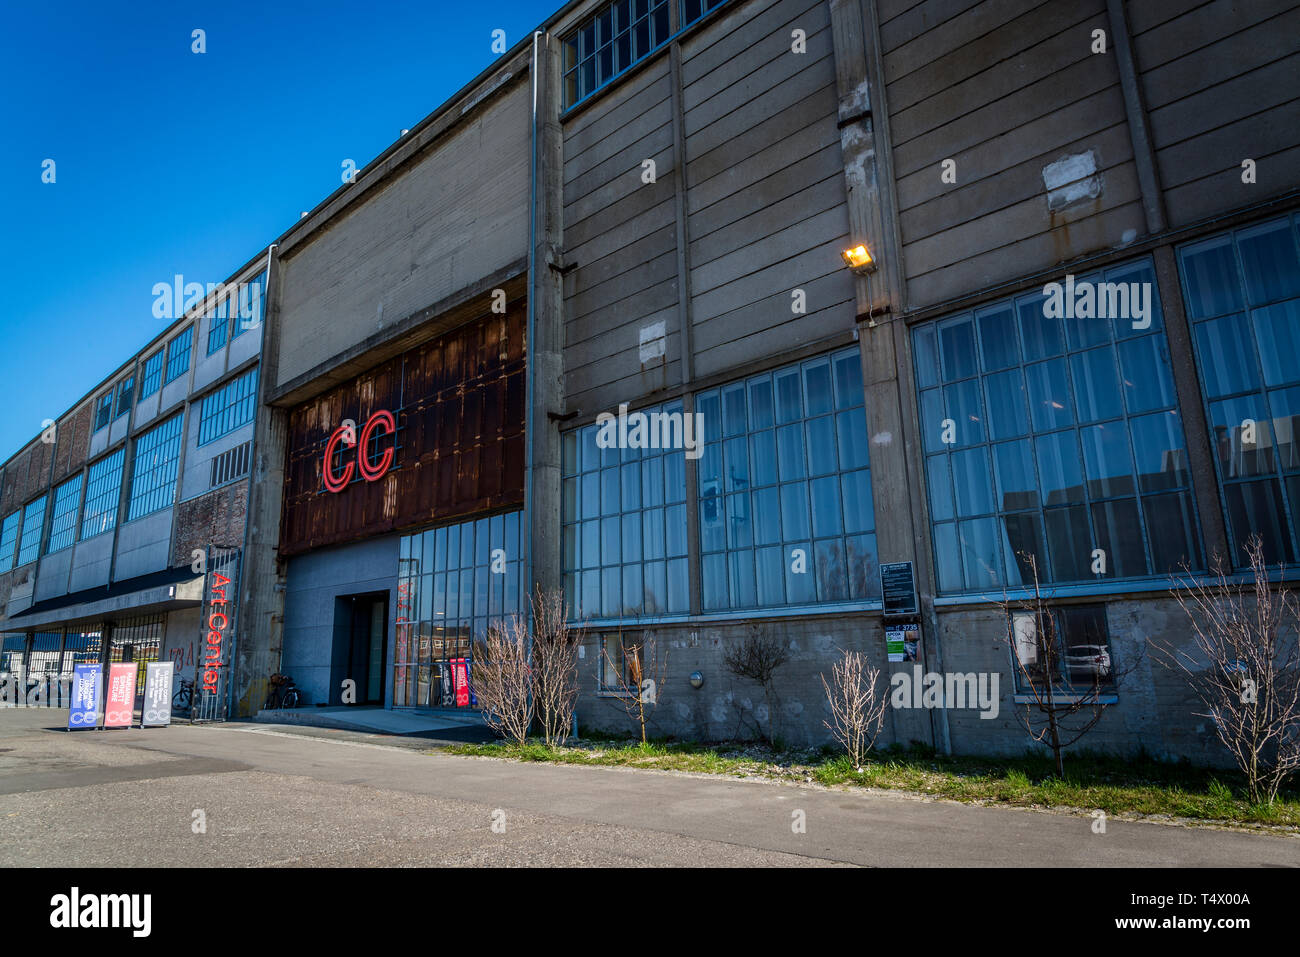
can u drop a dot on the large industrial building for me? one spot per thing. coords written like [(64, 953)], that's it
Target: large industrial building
[(960, 289)]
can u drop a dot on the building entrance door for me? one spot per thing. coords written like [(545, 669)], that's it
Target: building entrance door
[(366, 635)]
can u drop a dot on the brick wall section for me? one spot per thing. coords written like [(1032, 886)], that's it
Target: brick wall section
[(73, 441), (25, 475), (216, 518)]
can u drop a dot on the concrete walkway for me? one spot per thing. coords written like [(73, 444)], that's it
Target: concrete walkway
[(372, 719), (306, 796)]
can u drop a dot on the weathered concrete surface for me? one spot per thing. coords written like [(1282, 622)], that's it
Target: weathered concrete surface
[(283, 798)]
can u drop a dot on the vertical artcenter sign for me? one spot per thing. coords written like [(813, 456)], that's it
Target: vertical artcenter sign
[(220, 591)]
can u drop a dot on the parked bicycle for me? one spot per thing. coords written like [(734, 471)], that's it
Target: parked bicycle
[(183, 699), (284, 693)]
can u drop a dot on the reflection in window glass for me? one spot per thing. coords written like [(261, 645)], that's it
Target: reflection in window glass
[(1063, 431), (1243, 294)]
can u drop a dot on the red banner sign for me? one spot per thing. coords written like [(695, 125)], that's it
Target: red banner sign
[(338, 481), (119, 704)]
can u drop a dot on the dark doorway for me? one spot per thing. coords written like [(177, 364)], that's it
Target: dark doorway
[(361, 646)]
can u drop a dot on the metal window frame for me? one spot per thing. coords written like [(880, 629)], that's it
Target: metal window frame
[(165, 439), (56, 515), (103, 494)]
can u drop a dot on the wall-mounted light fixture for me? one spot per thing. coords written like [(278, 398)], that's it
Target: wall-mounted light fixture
[(697, 679), (859, 259)]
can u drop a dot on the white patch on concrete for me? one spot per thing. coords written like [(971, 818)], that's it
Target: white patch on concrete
[(1071, 179), (882, 438), (654, 342)]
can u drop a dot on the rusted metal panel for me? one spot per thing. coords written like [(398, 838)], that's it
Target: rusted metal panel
[(458, 448)]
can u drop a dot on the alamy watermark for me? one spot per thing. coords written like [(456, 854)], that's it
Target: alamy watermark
[(1099, 300), (651, 430), (243, 300), (953, 690)]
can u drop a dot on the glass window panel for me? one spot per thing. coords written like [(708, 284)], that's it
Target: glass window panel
[(1084, 333), (762, 458), (1023, 549), (1059, 474), (712, 526), (832, 570), (1227, 356), (675, 477), (679, 595), (821, 446), (742, 582), (767, 516), (770, 587), (589, 594), (631, 535), (1107, 460), (1243, 436), (1255, 508), (1042, 334), (569, 547), (611, 592), (825, 493), (947, 557), (936, 471), (1119, 535), (927, 356), (981, 552), (932, 420), (972, 482), (851, 430), (675, 529), (1148, 384), (653, 532), (1161, 456), (569, 503), (737, 464), (590, 451), (1269, 262), (964, 408), (1213, 281), (789, 396), (790, 452), (794, 511), (633, 591), (1096, 385), (864, 568), (631, 490), (1069, 543), (713, 581), (733, 409), (656, 588), (1017, 485), (957, 349), (800, 586), (1140, 274), (609, 503), (1005, 395), (590, 499), (1277, 328), (760, 403), (817, 381), (1285, 406), (858, 512), (591, 544), (740, 532), (1171, 528), (610, 550), (848, 380), (1049, 395), (652, 482), (998, 342)]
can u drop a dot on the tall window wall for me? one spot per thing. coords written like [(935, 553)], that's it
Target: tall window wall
[(103, 492), (1053, 438), (1243, 301), (230, 407), (29, 545), (9, 540), (63, 516), (623, 535), (784, 502), (454, 582), (153, 473)]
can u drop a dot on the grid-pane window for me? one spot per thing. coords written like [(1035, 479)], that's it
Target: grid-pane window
[(251, 304), (1053, 436), (615, 37), (178, 354), (1243, 299), (228, 408), (218, 325), (63, 516), (151, 380), (9, 540), (103, 490), (103, 410), (1072, 654), (29, 545), (153, 473), (692, 10), (125, 396), (454, 583), (786, 514), (623, 531)]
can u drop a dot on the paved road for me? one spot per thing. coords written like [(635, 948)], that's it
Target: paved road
[(316, 797)]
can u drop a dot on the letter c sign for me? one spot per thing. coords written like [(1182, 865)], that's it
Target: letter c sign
[(337, 482)]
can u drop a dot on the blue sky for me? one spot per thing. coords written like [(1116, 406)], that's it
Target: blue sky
[(168, 161)]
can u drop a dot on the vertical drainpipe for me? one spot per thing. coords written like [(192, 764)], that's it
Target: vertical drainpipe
[(530, 414)]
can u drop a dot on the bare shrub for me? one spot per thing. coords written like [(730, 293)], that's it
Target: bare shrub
[(757, 656), (857, 707), (639, 679), (555, 666), (503, 679), (1244, 668)]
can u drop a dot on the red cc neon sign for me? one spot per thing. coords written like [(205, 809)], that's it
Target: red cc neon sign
[(337, 483)]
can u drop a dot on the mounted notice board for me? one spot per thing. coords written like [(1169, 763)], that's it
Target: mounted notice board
[(898, 589)]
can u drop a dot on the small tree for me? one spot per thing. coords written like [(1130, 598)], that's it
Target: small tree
[(1058, 712), (757, 656), (555, 666), (503, 680), (857, 709), (1244, 668), (639, 679)]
